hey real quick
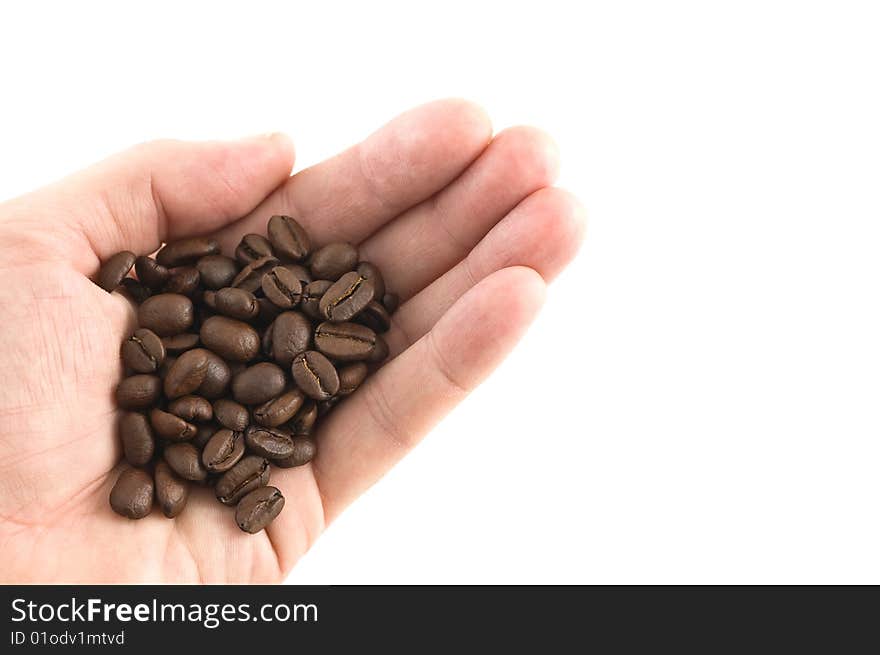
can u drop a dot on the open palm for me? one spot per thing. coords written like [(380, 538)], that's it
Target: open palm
[(464, 226)]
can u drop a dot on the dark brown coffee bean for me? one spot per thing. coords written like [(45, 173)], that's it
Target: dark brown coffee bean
[(138, 391), (172, 491), (185, 280), (192, 408), (251, 248), (346, 342), (134, 290), (185, 460), (348, 296), (235, 303), (166, 314), (351, 377), (231, 414), (217, 271), (304, 450), (380, 350), (223, 451), (279, 410), (315, 375), (288, 336), (375, 317), (138, 443), (251, 276), (300, 272), (167, 364), (258, 383), (114, 269), (143, 351), (282, 287), (204, 432), (312, 295), (333, 260), (186, 251), (171, 427), (250, 473), (187, 373), (151, 273), (391, 302), (180, 343), (132, 495), (288, 238), (305, 418), (271, 443), (268, 310), (218, 375), (325, 406), (258, 509), (233, 340), (370, 272)]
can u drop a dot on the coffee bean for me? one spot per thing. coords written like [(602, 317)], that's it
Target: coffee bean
[(138, 443), (300, 272), (114, 269), (271, 443), (304, 450), (204, 432), (391, 302), (185, 460), (370, 272), (217, 271), (180, 343), (279, 410), (231, 339), (166, 314), (268, 310), (380, 350), (312, 295), (187, 373), (218, 375), (135, 291), (231, 414), (325, 406), (258, 509), (351, 377), (315, 375), (143, 351), (172, 491), (192, 408), (186, 251), (282, 287), (287, 336), (348, 296), (258, 383), (235, 303), (132, 495), (151, 273), (248, 474), (288, 238), (223, 451), (251, 276), (305, 418), (138, 391), (375, 317), (253, 247), (171, 427), (345, 342), (185, 280), (333, 260)]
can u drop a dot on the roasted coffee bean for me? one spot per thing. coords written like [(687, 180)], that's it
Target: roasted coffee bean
[(233, 340), (300, 272), (151, 273), (370, 272), (138, 391), (258, 509), (312, 295), (279, 410), (348, 296), (132, 495), (172, 491), (251, 248), (346, 342), (326, 405), (287, 336), (304, 450), (114, 269), (235, 303), (251, 276), (192, 408), (375, 317), (138, 443), (204, 432), (217, 271), (305, 418), (185, 280), (223, 451), (271, 443), (250, 473), (391, 302), (136, 291), (333, 260), (166, 314), (282, 287), (167, 364), (187, 373), (380, 350), (315, 375), (231, 414), (268, 310), (288, 238), (185, 460), (180, 343), (218, 375), (351, 377), (171, 427), (258, 383), (186, 251), (143, 351)]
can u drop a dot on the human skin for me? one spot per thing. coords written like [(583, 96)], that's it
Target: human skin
[(484, 231)]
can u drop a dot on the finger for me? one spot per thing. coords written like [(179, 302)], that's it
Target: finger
[(543, 232), (373, 429), (156, 191), (441, 231), (347, 197)]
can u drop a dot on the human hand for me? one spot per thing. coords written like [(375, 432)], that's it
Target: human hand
[(465, 228)]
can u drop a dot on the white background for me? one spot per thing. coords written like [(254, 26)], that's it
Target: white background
[(719, 331)]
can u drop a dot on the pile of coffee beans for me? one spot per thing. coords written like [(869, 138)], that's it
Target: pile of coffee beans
[(235, 361)]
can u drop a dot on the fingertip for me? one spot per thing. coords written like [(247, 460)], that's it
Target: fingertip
[(532, 152), (562, 219)]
